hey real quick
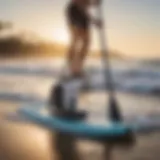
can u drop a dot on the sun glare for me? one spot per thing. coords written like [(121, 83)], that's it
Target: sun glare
[(61, 35), (58, 35)]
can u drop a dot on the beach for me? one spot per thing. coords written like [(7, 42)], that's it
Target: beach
[(24, 141), (21, 140), (117, 42)]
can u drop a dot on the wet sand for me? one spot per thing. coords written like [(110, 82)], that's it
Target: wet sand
[(23, 141)]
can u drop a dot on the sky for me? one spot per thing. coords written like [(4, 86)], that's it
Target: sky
[(131, 26)]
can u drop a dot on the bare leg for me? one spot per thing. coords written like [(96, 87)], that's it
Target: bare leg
[(78, 49), (72, 53), (83, 50)]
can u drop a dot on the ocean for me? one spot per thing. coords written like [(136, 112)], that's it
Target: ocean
[(30, 81), (129, 76)]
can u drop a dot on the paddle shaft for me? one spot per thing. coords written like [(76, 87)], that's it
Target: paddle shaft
[(115, 114), (105, 55)]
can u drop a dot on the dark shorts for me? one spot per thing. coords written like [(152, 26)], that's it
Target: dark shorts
[(77, 17)]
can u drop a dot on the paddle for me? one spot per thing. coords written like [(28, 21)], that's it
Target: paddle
[(114, 109)]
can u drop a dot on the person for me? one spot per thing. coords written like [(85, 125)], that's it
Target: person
[(79, 20)]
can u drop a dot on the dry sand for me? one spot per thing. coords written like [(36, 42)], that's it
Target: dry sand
[(23, 141)]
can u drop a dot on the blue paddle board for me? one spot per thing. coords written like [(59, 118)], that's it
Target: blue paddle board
[(76, 128)]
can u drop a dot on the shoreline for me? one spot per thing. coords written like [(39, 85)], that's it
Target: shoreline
[(24, 141)]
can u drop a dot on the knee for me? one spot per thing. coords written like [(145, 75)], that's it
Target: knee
[(85, 41), (74, 42)]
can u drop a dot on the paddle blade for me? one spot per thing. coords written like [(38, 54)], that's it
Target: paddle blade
[(114, 111)]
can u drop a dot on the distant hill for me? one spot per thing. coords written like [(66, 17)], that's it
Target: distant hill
[(28, 44), (16, 46)]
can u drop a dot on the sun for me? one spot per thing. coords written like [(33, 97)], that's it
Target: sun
[(61, 35), (56, 35)]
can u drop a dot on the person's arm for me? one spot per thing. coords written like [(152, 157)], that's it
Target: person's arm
[(93, 20), (85, 7), (96, 2), (96, 22)]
